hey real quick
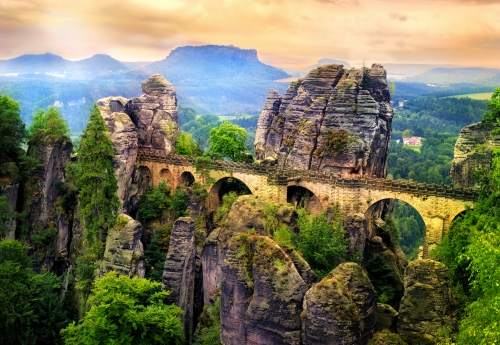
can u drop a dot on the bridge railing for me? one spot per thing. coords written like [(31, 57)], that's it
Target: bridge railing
[(286, 176)]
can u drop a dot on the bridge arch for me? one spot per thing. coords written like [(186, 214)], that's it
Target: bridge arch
[(300, 196), (167, 176), (186, 178), (223, 186)]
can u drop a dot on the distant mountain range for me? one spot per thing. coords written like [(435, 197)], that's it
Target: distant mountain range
[(50, 63), (472, 75)]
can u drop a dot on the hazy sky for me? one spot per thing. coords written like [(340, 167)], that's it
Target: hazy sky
[(286, 33)]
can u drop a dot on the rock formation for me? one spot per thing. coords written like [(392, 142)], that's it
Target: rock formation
[(341, 309), (262, 293), (49, 230), (124, 252), (427, 304), (179, 271), (149, 121), (333, 120), (10, 192), (155, 114), (386, 338), (386, 317), (246, 214), (473, 150), (124, 137)]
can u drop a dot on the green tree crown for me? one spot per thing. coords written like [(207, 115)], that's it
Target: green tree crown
[(228, 142), (48, 126)]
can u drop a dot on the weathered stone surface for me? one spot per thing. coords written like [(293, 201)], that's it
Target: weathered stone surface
[(354, 226), (328, 99), (155, 114), (428, 303), (386, 317), (124, 252), (473, 150), (180, 270), (124, 136), (341, 309), (262, 293), (41, 193), (11, 192), (246, 214), (385, 337)]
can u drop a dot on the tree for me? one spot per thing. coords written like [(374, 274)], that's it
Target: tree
[(97, 182), (48, 126), (125, 311), (321, 242), (406, 133), (186, 146), (12, 136), (155, 201), (228, 141), (30, 310)]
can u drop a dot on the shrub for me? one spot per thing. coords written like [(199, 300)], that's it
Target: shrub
[(155, 201), (209, 325), (223, 210), (48, 126), (180, 202)]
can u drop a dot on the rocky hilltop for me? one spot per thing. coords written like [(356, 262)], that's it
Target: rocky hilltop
[(473, 150), (333, 120)]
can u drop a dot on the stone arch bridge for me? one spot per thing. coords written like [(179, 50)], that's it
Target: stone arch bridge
[(437, 204)]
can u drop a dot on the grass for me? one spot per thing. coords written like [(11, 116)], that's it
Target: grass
[(481, 96), (414, 148)]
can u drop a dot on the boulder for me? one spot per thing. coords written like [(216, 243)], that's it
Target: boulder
[(341, 309), (386, 317), (428, 303), (155, 114), (124, 137), (124, 252), (301, 134), (473, 150), (262, 293), (180, 270)]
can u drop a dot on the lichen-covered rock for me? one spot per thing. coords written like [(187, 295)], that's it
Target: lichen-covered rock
[(473, 150), (247, 214), (428, 303), (303, 134), (124, 137), (357, 232), (385, 337), (155, 114), (180, 270), (262, 292), (124, 252), (10, 192), (341, 309), (386, 317)]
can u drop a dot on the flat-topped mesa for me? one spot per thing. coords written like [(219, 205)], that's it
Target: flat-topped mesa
[(334, 120), (155, 114)]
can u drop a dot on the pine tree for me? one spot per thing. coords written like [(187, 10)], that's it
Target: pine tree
[(97, 182)]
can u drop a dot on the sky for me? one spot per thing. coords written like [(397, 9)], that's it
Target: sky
[(286, 33)]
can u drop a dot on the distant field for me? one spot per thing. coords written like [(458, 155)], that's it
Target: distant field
[(484, 95)]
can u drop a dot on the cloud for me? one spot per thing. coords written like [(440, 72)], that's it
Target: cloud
[(398, 16)]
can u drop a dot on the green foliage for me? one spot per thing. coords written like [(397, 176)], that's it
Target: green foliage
[(180, 202), (68, 195), (321, 242), (284, 237), (156, 252), (44, 238), (382, 277), (200, 127), (97, 182), (411, 228), (186, 146), (228, 142), (224, 208), (48, 126), (208, 332), (493, 114), (5, 215), (124, 311), (336, 142), (30, 310), (390, 228), (155, 201), (12, 136)]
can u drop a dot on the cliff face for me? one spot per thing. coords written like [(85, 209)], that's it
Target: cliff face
[(147, 121), (473, 150), (333, 120)]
